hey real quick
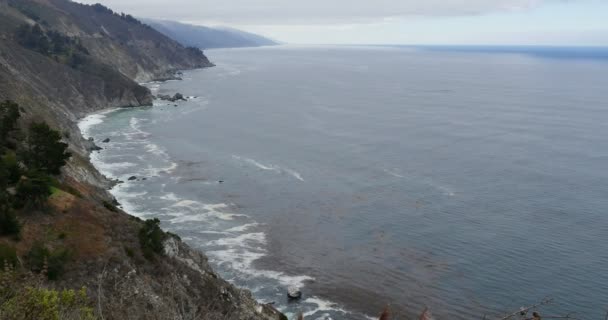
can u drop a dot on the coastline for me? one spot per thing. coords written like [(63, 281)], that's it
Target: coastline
[(174, 248), (311, 304)]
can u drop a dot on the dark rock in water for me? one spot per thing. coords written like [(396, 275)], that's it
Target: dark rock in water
[(96, 148), (132, 178), (178, 96), (175, 97), (221, 181), (144, 179), (106, 140), (294, 294), (91, 139)]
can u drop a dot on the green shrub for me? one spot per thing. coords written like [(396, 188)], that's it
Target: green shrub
[(9, 225), (47, 304), (8, 255), (110, 206), (40, 258), (64, 187), (33, 191), (11, 167), (151, 238), (45, 151)]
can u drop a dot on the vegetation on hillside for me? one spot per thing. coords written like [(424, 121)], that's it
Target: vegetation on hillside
[(151, 238), (28, 161), (51, 43), (25, 296), (127, 17)]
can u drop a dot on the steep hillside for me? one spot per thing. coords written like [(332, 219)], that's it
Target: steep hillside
[(207, 37), (59, 61)]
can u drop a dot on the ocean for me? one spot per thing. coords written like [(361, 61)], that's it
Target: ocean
[(472, 181)]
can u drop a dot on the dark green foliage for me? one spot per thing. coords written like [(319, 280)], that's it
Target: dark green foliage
[(8, 255), (33, 38), (45, 151), (33, 191), (151, 238), (110, 206), (11, 169), (9, 114), (40, 257), (98, 7), (53, 182), (28, 11), (62, 48), (9, 226)]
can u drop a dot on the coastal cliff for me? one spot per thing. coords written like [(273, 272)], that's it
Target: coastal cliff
[(59, 61)]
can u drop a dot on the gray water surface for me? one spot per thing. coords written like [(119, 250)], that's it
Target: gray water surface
[(469, 182)]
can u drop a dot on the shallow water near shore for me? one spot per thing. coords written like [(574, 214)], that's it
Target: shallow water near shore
[(469, 182)]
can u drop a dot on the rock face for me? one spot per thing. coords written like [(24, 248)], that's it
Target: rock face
[(118, 51)]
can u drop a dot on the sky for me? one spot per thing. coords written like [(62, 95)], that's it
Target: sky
[(473, 22)]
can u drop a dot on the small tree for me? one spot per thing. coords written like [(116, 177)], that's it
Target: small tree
[(151, 238), (9, 113), (11, 167), (8, 221), (33, 191), (45, 151)]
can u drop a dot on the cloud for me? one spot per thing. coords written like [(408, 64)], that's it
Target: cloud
[(307, 12)]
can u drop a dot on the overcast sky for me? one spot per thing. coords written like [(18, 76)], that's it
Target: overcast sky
[(546, 22)]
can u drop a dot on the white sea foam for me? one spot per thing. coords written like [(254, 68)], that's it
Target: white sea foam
[(170, 196), (269, 167), (245, 240), (243, 228), (191, 211), (322, 305), (241, 260), (394, 173)]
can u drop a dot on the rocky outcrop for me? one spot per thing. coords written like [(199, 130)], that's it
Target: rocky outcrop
[(176, 97)]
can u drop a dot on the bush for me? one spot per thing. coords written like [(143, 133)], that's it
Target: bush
[(40, 258), (33, 191), (46, 304), (11, 168), (8, 256), (45, 151), (110, 206), (151, 238), (9, 225)]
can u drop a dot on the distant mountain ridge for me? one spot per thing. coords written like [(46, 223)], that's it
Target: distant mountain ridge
[(208, 37)]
